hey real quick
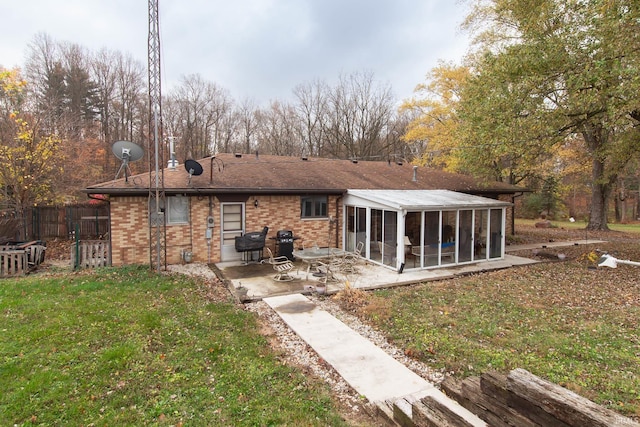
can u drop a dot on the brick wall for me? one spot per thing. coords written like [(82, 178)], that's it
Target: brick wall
[(129, 230), (283, 213), (130, 227)]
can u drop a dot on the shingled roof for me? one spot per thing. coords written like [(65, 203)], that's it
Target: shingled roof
[(251, 173)]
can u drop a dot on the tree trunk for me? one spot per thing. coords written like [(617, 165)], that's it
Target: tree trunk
[(596, 137), (599, 197)]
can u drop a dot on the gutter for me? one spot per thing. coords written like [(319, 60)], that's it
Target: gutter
[(213, 191)]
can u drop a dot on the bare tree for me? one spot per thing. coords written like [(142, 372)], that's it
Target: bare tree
[(120, 99), (105, 77), (196, 114), (279, 130), (360, 111), (248, 118), (131, 100), (45, 73), (312, 109)]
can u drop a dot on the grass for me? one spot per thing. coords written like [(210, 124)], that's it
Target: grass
[(563, 321), (128, 347), (580, 225)]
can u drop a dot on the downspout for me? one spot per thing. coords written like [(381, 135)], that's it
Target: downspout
[(209, 230), (337, 219), (190, 223)]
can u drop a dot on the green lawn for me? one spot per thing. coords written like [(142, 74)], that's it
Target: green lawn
[(128, 347)]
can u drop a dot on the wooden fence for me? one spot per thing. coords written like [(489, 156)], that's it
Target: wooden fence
[(59, 222), (91, 254), (13, 263), (16, 260)]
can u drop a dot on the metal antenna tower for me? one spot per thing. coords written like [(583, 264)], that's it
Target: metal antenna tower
[(157, 223)]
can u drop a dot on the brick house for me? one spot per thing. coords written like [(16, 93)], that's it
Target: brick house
[(398, 211)]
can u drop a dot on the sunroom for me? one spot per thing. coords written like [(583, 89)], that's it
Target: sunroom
[(420, 229)]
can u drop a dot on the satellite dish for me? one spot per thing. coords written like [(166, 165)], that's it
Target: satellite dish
[(193, 167), (127, 152)]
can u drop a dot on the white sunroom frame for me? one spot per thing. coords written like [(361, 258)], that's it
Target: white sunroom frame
[(391, 248)]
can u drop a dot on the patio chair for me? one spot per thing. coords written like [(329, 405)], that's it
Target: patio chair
[(349, 262), (281, 265), (328, 268)]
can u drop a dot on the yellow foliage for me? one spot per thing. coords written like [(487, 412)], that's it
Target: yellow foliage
[(30, 165), (11, 88), (436, 121)]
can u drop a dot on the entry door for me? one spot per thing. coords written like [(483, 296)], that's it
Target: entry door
[(232, 226)]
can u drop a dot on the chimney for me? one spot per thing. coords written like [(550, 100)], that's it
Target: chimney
[(415, 174)]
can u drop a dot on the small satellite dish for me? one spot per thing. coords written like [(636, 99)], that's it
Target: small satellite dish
[(127, 152), (193, 167)]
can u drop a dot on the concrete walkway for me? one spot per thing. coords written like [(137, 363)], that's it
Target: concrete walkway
[(368, 369)]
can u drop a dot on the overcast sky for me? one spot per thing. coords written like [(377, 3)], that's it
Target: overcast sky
[(256, 49)]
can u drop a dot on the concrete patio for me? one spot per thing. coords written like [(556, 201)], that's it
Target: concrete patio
[(259, 281)]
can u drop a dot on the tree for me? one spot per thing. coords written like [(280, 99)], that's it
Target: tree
[(359, 111), (312, 110), (546, 71), (248, 118), (278, 133), (195, 114), (61, 84), (81, 92), (31, 159), (121, 103), (435, 122)]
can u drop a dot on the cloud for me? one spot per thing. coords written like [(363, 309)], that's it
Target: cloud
[(257, 49)]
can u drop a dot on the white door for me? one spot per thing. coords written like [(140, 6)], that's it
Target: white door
[(232, 226)]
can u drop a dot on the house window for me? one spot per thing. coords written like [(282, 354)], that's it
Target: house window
[(313, 207), (177, 210)]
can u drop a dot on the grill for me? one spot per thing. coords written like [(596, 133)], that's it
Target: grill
[(284, 243), (253, 241)]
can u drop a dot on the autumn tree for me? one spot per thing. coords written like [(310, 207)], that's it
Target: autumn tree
[(31, 158), (432, 131), (549, 70)]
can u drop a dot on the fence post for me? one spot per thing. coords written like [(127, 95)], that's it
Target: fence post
[(77, 236)]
